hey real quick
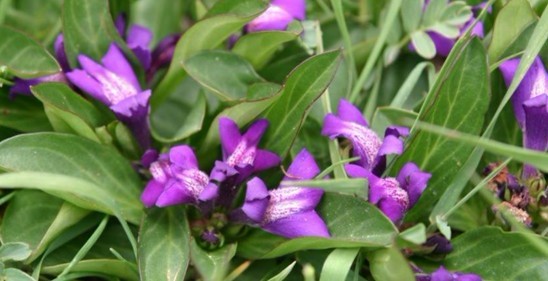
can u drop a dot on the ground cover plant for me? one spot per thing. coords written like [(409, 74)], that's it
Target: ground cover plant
[(273, 140)]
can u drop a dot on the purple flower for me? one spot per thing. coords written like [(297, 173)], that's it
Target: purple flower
[(114, 83), (439, 244), (240, 152), (278, 15), (441, 274), (138, 39), (176, 179), (287, 211), (350, 124), (162, 54), (22, 86), (530, 103), (394, 196)]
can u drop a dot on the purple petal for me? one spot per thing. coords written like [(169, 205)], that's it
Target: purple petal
[(255, 132), (175, 194), (149, 157), (151, 193), (60, 54), (365, 142), (393, 209), (256, 200), (356, 171), (138, 40), (348, 112), (536, 128), (439, 243), (534, 83), (287, 201), (120, 24), (274, 18), (442, 43), (413, 180), (296, 8), (303, 167), (210, 192), (133, 112), (264, 160), (392, 143), (441, 274), (88, 84), (162, 54), (302, 224), (22, 86), (221, 171), (230, 135), (115, 61), (183, 156)]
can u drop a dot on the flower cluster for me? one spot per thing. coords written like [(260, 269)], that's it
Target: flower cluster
[(394, 196), (286, 211)]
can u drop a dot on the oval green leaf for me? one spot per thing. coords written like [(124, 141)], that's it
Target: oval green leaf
[(302, 88), (101, 168), (23, 57), (164, 245)]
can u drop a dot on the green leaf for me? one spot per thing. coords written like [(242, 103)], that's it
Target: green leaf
[(498, 255), (97, 267), (37, 218), (303, 86), (88, 29), (223, 19), (423, 44), (164, 245), (352, 223), (390, 264), (259, 47), (533, 157), (284, 273), (23, 57), (23, 113), (510, 22), (179, 117), (455, 102), (337, 265), (162, 17), (223, 73), (212, 265), (40, 20), (13, 274), (411, 12), (101, 170), (68, 112), (14, 251), (415, 234)]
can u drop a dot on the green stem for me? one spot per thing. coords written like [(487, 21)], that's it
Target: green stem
[(343, 29), (326, 105), (393, 10)]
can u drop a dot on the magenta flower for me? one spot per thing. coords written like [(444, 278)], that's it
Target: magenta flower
[(114, 83), (530, 103), (162, 54), (394, 196), (287, 211), (278, 15), (350, 124), (22, 86), (441, 274), (240, 152), (138, 39), (176, 179)]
